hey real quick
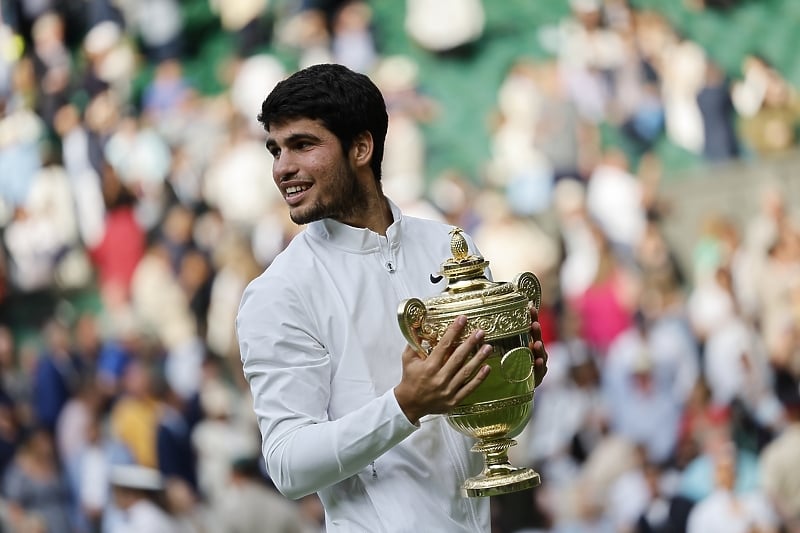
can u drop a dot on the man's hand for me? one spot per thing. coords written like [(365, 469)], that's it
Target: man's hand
[(439, 382), (537, 347)]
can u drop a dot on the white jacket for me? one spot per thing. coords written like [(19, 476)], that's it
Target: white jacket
[(321, 349)]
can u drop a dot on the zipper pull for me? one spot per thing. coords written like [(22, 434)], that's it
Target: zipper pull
[(389, 266)]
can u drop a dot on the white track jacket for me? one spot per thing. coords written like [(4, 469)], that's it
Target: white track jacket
[(321, 349)]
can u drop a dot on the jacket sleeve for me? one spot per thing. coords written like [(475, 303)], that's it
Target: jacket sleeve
[(289, 372)]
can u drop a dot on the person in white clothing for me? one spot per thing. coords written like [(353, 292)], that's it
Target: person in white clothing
[(345, 407), (135, 488), (727, 511)]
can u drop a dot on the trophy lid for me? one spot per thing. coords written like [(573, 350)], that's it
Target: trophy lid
[(498, 308), (463, 270), (469, 290)]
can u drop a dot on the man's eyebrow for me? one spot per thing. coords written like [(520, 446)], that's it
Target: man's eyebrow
[(300, 136)]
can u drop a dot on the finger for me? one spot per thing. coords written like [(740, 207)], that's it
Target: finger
[(465, 372), (539, 351), (449, 341), (539, 361), (536, 327), (455, 362), (473, 383)]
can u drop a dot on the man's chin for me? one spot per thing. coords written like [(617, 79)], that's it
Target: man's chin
[(302, 217)]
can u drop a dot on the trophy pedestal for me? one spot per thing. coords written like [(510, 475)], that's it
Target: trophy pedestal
[(498, 476)]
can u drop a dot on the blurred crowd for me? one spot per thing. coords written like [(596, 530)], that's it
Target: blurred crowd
[(672, 398)]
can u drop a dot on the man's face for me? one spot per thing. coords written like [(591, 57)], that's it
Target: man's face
[(316, 179)]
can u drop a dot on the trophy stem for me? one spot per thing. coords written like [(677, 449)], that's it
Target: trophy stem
[(498, 475)]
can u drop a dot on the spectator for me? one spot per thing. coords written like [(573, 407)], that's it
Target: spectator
[(137, 490), (249, 505), (219, 439), (246, 20), (778, 465), (606, 307), (134, 416), (176, 455), (58, 375), (721, 142), (52, 64), (36, 488), (466, 21), (615, 199), (771, 128), (352, 40), (724, 509)]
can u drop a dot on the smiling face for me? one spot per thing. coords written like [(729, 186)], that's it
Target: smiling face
[(316, 178)]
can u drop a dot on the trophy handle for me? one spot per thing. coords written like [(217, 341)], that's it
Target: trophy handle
[(528, 284), (410, 315)]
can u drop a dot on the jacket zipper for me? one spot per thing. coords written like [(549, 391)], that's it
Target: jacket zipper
[(387, 254)]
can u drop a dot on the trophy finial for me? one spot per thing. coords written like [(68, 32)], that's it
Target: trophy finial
[(458, 244), (462, 266)]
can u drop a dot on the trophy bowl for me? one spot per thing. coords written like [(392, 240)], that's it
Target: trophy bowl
[(500, 408)]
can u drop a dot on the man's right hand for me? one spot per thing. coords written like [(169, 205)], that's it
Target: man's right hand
[(438, 382)]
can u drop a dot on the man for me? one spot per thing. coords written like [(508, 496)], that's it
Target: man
[(345, 407), (136, 489), (730, 510), (249, 505)]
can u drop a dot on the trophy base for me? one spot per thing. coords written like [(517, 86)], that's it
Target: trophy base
[(494, 485), (499, 476)]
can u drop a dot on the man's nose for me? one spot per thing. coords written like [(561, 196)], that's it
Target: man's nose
[(283, 167)]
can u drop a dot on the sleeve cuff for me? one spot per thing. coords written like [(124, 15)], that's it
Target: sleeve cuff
[(398, 411)]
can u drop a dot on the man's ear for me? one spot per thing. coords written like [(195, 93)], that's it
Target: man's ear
[(361, 150)]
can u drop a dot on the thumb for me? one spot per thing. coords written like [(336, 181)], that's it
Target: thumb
[(411, 353)]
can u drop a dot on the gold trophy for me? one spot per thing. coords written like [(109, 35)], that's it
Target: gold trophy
[(498, 410)]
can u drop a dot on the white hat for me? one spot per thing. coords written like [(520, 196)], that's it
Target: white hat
[(102, 37), (136, 477), (396, 73)]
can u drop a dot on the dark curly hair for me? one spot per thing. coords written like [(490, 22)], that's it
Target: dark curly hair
[(347, 103)]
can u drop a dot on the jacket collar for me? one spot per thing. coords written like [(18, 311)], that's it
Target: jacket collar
[(356, 239)]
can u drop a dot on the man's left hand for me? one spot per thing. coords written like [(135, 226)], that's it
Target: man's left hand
[(537, 347)]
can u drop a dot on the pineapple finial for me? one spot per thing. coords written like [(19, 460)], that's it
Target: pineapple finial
[(458, 244)]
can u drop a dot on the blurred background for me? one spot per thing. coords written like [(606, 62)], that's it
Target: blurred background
[(639, 156)]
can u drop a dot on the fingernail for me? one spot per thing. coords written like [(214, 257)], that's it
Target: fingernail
[(479, 333), (461, 320)]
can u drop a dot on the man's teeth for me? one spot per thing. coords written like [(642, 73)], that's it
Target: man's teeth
[(294, 190)]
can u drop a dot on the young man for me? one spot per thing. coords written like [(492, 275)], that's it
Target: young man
[(346, 408)]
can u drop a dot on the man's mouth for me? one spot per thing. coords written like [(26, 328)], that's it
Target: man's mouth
[(296, 189)]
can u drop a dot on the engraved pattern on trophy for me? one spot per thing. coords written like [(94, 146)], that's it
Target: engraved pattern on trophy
[(529, 285), (494, 326), (488, 293), (411, 316), (478, 408), (500, 408)]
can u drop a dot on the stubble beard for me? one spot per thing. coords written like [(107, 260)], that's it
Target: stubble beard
[(347, 199)]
